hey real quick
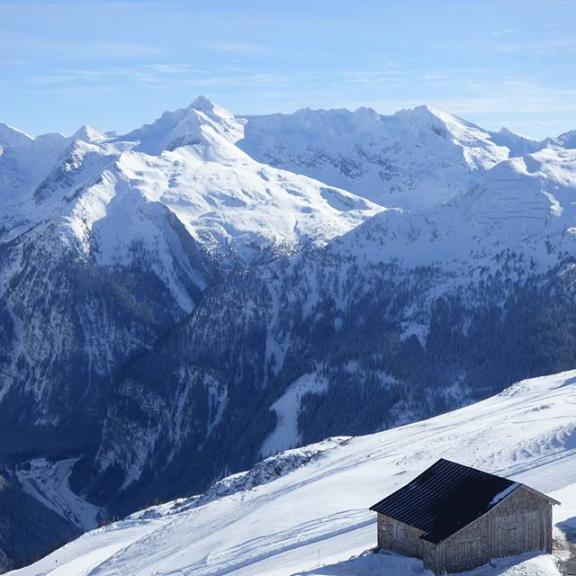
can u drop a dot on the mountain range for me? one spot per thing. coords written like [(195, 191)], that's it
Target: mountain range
[(181, 301)]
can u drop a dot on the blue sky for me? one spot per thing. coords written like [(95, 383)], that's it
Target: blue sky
[(118, 64)]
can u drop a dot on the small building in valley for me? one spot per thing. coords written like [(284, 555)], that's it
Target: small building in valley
[(455, 518)]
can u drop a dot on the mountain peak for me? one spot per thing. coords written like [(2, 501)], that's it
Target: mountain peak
[(567, 140), (366, 113), (199, 123), (506, 131), (88, 134), (427, 110), (203, 104), (11, 137), (431, 115), (517, 144)]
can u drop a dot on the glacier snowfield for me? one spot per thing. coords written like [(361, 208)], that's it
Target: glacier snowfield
[(314, 520)]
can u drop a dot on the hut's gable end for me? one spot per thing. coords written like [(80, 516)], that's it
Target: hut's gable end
[(521, 522), (399, 537)]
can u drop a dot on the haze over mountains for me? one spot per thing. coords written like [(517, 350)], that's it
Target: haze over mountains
[(178, 302)]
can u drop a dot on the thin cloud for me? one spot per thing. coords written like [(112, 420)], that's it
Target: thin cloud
[(83, 50), (164, 75), (173, 68), (235, 47), (545, 48), (505, 98), (495, 103), (147, 74)]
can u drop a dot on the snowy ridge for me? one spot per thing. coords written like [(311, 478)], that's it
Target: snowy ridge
[(566, 140), (186, 160), (11, 137), (519, 205), (263, 472), (315, 519), (413, 159)]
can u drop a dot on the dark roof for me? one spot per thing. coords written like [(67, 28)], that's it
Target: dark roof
[(445, 498)]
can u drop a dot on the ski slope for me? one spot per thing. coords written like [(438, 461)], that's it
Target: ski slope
[(315, 520)]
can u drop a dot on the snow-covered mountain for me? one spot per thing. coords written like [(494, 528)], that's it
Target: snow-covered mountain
[(413, 159), (566, 140), (178, 302), (187, 161), (407, 315), (107, 241), (312, 518), (524, 204)]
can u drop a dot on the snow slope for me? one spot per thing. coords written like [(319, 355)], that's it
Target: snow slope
[(523, 204), (231, 201), (48, 482), (287, 408), (315, 520)]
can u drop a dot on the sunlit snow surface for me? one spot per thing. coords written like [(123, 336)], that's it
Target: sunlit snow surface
[(413, 159), (315, 520), (108, 192)]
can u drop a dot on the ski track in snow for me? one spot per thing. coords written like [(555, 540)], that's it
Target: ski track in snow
[(315, 520)]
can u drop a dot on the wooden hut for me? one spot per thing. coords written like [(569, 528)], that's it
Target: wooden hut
[(455, 518)]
